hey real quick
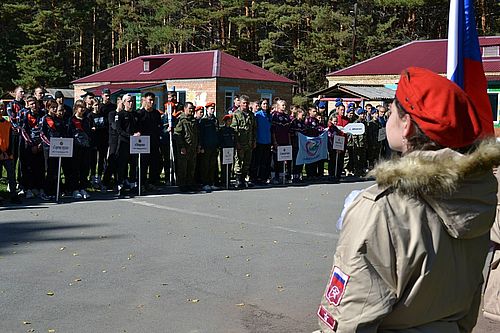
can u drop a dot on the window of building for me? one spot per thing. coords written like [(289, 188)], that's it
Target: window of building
[(494, 105), (269, 96), (146, 66), (228, 99), (491, 51)]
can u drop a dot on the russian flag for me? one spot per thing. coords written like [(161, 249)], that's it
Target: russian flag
[(464, 66)]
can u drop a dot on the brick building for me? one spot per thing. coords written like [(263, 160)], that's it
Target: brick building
[(384, 70), (198, 77)]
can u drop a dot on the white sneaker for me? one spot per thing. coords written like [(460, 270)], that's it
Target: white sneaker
[(29, 194), (84, 194), (214, 188), (207, 188), (77, 195)]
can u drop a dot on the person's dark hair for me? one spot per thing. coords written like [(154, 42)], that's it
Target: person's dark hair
[(50, 103), (417, 140), (30, 99), (149, 94), (188, 105), (262, 100)]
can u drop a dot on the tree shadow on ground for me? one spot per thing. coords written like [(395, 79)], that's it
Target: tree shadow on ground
[(15, 233)]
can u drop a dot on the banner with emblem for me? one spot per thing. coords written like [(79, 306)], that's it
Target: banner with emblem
[(312, 149)]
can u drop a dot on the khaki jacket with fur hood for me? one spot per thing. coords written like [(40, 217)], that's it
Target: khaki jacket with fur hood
[(413, 246), (491, 307)]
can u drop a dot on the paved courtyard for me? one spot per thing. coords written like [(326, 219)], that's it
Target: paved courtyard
[(228, 261)]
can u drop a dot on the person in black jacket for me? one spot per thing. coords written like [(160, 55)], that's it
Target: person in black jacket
[(111, 167), (227, 139), (126, 126), (150, 124), (209, 142), (79, 128), (52, 127)]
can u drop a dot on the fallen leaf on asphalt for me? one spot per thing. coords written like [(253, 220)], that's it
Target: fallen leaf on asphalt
[(164, 284), (140, 306), (248, 259), (247, 275), (104, 271), (51, 330), (14, 252), (30, 330), (157, 296), (26, 323), (281, 288), (62, 248), (325, 256), (227, 257), (193, 300), (50, 293), (78, 280), (275, 241), (103, 236), (240, 304), (75, 254)]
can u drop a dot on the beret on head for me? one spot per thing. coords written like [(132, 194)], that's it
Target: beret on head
[(322, 105), (338, 100), (211, 104), (441, 109), (360, 111), (198, 108), (339, 103)]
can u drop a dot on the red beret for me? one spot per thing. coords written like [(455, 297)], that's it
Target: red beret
[(211, 104), (441, 109), (198, 108), (227, 116)]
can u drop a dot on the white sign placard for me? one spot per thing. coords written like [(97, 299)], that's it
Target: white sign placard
[(381, 134), (61, 147), (227, 155), (139, 144), (338, 142), (354, 128), (284, 153)]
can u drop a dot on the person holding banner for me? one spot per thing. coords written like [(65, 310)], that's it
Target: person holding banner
[(297, 126), (280, 134), (52, 127), (413, 246), (335, 154), (313, 129)]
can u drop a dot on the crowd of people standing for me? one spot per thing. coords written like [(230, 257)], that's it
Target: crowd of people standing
[(186, 143)]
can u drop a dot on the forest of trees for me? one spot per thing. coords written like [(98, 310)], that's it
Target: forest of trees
[(52, 42)]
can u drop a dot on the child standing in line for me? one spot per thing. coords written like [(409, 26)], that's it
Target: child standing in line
[(226, 140), (7, 157), (335, 157), (52, 127), (79, 128), (297, 126)]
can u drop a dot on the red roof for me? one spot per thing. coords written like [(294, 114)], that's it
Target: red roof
[(430, 54), (119, 87), (191, 65)]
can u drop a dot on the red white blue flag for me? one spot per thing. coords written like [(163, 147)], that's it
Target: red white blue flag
[(465, 66)]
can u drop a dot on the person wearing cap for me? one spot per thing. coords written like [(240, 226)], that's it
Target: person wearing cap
[(413, 246), (89, 100), (374, 140), (61, 107)]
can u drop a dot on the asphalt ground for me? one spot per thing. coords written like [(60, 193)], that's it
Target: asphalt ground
[(255, 260)]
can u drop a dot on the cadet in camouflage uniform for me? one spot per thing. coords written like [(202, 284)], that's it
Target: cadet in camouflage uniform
[(359, 144), (186, 138), (245, 129)]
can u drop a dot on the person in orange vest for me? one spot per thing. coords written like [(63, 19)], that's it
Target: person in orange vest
[(7, 157)]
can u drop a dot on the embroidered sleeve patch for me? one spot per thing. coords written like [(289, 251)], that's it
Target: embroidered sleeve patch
[(327, 318), (336, 287)]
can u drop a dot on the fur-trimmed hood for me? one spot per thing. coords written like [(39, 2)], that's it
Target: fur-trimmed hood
[(460, 188)]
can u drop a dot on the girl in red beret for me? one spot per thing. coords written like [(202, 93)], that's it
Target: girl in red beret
[(413, 246)]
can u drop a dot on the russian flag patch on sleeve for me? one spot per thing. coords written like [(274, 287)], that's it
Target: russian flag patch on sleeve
[(327, 318), (336, 287)]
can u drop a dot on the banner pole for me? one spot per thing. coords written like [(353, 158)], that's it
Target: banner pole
[(140, 174), (227, 176), (58, 179), (336, 162), (284, 172)]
